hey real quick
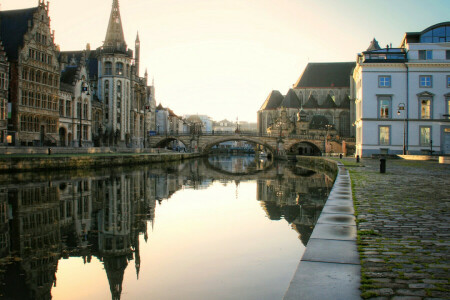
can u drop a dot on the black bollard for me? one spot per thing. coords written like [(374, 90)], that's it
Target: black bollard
[(357, 158), (340, 156), (49, 151), (383, 165)]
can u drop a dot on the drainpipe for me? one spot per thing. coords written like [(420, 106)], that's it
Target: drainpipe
[(407, 108)]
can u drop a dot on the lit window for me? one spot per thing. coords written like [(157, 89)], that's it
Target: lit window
[(384, 132), (448, 81), (384, 81), (425, 81), (425, 136), (384, 108), (425, 108), (119, 68)]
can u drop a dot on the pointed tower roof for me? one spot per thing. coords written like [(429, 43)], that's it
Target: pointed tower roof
[(291, 100), (328, 103), (114, 35), (273, 101), (311, 103), (137, 37), (373, 45), (345, 103)]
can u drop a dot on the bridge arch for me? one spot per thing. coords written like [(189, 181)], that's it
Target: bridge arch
[(208, 145), (304, 148), (164, 142)]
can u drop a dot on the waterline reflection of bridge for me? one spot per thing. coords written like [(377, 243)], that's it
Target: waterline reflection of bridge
[(276, 144)]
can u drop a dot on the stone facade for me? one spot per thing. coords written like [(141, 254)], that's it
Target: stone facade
[(34, 76), (321, 94)]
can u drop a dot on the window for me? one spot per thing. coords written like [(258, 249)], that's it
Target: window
[(425, 81), (108, 68), (448, 81), (425, 135), (447, 108), (119, 94), (425, 54), (384, 107), (106, 92), (85, 132), (119, 68), (118, 119), (384, 81), (384, 135), (85, 111), (79, 110), (61, 107), (68, 108), (425, 108), (447, 54)]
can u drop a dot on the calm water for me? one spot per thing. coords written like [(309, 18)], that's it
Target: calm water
[(216, 228)]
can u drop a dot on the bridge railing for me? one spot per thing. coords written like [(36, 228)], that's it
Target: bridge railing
[(255, 134)]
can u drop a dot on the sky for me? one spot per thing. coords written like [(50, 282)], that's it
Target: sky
[(222, 58)]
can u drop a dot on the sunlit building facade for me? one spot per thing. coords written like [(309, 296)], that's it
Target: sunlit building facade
[(402, 95)]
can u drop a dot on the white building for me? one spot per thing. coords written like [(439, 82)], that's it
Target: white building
[(402, 95)]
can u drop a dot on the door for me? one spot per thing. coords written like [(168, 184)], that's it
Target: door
[(446, 141)]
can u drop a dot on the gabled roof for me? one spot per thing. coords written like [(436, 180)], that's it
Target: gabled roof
[(273, 101), (291, 100), (311, 103), (328, 103), (334, 74), (345, 103), (159, 107), (373, 45), (13, 26)]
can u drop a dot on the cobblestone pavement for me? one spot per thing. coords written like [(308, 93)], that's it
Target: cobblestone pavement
[(403, 229)]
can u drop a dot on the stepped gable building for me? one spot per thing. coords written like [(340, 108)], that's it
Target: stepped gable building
[(402, 95), (4, 84), (34, 75), (321, 93)]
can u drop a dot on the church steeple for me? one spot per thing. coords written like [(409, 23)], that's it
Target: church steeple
[(114, 35), (137, 53)]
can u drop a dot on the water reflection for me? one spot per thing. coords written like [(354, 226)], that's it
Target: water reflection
[(102, 214)]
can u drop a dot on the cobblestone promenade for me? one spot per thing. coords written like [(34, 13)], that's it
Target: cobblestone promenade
[(403, 227)]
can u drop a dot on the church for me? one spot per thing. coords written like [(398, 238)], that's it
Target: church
[(78, 98)]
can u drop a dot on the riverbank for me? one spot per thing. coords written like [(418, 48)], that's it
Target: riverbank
[(63, 159), (403, 221)]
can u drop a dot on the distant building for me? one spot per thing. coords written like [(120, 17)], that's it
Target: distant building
[(321, 94), (206, 120), (403, 95)]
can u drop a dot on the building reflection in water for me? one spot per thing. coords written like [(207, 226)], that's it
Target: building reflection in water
[(102, 214)]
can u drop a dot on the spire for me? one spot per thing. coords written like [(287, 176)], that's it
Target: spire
[(114, 35), (137, 53)]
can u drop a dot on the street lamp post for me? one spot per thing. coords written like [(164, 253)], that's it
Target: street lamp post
[(84, 89), (327, 126), (401, 107)]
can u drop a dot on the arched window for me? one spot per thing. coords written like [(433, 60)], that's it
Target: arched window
[(31, 78), (119, 68), (108, 68), (44, 78), (344, 124), (38, 76)]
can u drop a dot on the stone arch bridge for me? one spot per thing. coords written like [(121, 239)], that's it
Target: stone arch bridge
[(279, 146)]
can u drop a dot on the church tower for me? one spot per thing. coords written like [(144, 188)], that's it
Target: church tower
[(114, 62)]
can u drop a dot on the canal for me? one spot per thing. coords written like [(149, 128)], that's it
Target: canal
[(222, 227)]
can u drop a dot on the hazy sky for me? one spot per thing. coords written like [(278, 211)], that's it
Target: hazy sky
[(223, 57)]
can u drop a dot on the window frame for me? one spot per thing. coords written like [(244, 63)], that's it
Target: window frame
[(426, 98), (448, 81), (421, 77), (425, 54), (108, 68), (389, 135), (380, 81), (381, 98), (421, 143)]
